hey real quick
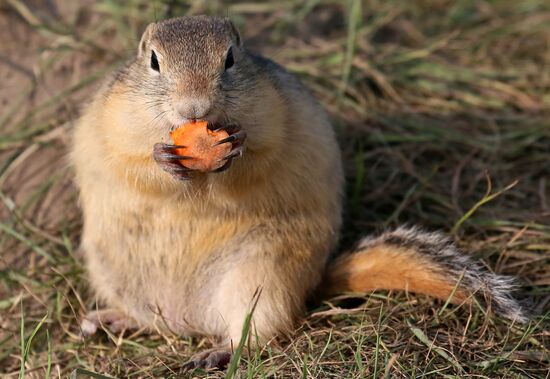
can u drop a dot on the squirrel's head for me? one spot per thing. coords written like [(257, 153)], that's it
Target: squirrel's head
[(192, 68)]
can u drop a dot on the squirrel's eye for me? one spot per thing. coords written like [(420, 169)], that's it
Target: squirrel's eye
[(229, 59), (154, 61)]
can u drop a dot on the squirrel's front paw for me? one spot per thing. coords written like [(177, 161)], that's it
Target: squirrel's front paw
[(170, 162), (181, 167), (236, 138)]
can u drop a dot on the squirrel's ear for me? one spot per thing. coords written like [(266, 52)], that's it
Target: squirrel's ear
[(145, 39), (237, 35)]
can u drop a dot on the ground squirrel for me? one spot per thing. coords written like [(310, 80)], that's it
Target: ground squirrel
[(167, 247)]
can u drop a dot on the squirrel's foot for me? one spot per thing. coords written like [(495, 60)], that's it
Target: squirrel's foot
[(215, 358), (170, 162), (113, 319)]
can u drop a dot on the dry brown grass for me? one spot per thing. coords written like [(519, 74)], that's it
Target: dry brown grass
[(438, 104)]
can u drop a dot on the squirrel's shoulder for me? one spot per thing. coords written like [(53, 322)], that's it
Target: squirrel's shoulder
[(122, 79), (281, 79)]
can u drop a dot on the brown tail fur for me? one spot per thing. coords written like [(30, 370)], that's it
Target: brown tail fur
[(419, 262)]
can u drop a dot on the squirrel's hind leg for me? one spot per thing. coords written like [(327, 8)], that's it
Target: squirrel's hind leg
[(257, 291), (244, 289), (273, 296)]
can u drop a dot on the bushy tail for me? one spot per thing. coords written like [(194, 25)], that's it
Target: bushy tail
[(420, 262)]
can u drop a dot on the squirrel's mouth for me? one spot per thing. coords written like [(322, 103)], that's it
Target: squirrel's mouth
[(213, 125), (229, 127), (213, 122)]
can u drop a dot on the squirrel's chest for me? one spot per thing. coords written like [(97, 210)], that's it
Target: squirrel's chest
[(161, 238)]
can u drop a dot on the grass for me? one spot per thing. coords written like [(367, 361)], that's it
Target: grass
[(442, 110)]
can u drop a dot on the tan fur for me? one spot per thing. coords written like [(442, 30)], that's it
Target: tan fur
[(190, 255)]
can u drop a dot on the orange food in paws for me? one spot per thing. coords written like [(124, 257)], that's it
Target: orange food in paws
[(198, 142)]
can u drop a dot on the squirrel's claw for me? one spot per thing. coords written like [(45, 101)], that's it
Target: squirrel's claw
[(171, 147), (235, 138), (225, 166), (238, 151), (229, 159), (231, 138), (229, 128), (164, 155), (173, 157)]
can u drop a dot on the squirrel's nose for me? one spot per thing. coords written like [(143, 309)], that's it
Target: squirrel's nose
[(193, 109)]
